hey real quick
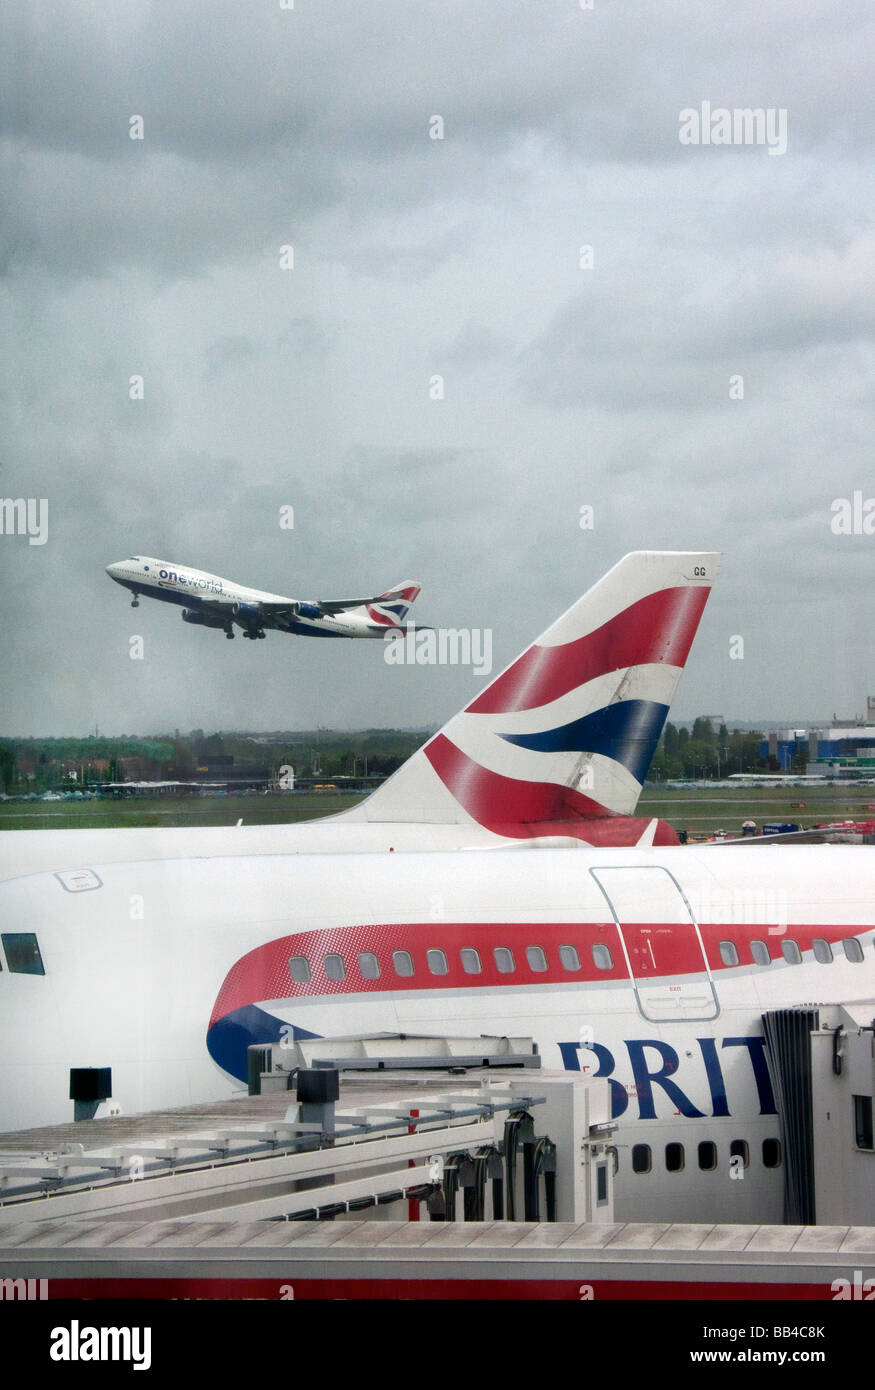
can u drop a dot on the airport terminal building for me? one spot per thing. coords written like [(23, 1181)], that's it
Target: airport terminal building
[(844, 749)]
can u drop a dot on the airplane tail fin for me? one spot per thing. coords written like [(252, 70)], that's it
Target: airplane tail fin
[(390, 609), (564, 736)]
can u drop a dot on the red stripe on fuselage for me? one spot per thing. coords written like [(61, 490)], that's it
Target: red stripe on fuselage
[(657, 629), (263, 973)]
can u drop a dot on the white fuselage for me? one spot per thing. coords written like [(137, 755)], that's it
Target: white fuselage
[(184, 586), (166, 969)]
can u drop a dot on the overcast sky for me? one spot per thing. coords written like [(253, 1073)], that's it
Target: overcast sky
[(607, 385)]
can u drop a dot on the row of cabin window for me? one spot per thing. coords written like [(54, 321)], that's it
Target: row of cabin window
[(707, 1155), (536, 957), (438, 964), (790, 950)]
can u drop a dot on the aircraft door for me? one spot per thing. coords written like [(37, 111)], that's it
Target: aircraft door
[(661, 940)]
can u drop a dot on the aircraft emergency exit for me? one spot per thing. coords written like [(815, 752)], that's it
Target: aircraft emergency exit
[(213, 602)]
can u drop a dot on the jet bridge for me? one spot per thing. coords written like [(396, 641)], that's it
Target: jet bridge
[(822, 1067), (535, 1147)]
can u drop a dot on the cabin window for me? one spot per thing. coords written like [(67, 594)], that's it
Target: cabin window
[(504, 960), (334, 966), (369, 966), (23, 953), (771, 1153), (851, 946), (569, 957), (760, 952), (707, 1156), (601, 956), (790, 951), (470, 961), (299, 969), (739, 1149), (728, 953), (674, 1158), (403, 963), (437, 961), (863, 1122), (641, 1161), (822, 950), (537, 958)]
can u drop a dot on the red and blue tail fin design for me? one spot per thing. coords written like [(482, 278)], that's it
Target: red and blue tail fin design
[(390, 609), (564, 736)]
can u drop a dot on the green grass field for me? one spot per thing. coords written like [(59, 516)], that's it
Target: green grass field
[(725, 808), (700, 810), (275, 809)]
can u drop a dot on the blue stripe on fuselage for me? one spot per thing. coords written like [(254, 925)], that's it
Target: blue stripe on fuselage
[(229, 1037)]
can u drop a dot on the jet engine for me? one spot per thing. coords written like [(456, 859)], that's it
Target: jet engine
[(191, 615), (251, 619), (248, 613), (309, 610)]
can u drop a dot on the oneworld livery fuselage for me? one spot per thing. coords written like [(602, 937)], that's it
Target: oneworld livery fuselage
[(209, 601)]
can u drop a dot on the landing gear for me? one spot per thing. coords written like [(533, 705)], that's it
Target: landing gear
[(229, 633), (252, 635), (135, 602)]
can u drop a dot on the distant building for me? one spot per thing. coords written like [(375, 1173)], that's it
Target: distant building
[(843, 749)]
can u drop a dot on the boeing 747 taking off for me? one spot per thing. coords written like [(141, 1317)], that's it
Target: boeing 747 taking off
[(209, 601)]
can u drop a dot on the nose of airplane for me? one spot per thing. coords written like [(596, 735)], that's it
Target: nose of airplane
[(113, 570)]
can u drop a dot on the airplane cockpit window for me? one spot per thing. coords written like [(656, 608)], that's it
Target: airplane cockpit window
[(437, 961), (23, 953), (299, 969), (760, 952), (504, 963), (470, 960), (369, 965), (403, 963), (537, 958), (790, 951), (569, 957), (334, 967), (822, 951), (852, 949)]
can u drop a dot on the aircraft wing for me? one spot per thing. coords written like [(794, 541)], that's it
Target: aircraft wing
[(339, 605)]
